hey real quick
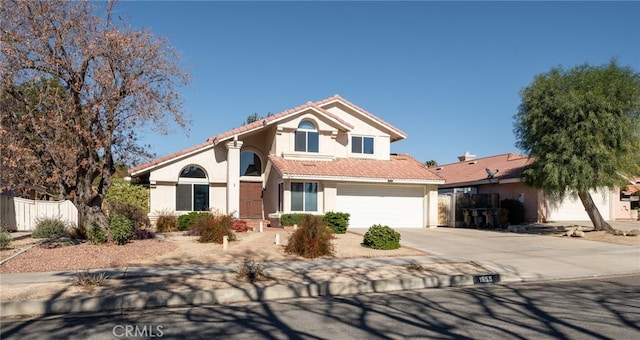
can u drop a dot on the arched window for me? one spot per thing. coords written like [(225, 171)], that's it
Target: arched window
[(250, 164), (306, 137), (192, 191)]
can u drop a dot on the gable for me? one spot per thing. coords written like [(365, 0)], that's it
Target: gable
[(335, 117)]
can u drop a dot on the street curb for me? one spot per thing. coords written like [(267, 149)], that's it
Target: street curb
[(122, 303)]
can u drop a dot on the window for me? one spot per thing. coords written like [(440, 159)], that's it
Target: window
[(192, 191), (304, 196), (306, 137), (250, 164), (361, 144)]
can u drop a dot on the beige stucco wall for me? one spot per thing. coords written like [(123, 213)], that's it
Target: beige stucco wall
[(621, 210), (333, 142)]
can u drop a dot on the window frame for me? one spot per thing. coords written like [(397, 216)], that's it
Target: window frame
[(305, 135), (304, 196), (362, 145), (196, 188)]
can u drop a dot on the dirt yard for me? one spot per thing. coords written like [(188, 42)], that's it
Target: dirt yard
[(174, 249)]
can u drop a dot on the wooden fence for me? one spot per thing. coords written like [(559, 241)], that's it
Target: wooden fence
[(21, 214)]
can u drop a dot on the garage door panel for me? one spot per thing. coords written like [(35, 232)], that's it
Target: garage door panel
[(395, 206), (572, 209)]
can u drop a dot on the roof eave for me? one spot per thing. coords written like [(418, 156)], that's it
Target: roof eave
[(362, 179)]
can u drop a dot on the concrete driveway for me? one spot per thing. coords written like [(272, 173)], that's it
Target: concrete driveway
[(523, 257)]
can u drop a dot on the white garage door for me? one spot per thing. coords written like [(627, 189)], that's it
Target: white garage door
[(393, 205), (571, 209)]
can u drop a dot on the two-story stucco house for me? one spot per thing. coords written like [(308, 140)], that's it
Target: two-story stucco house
[(329, 155)]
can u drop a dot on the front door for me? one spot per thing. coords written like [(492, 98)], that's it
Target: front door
[(250, 200)]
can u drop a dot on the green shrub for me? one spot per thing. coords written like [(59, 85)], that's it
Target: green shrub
[(288, 220), (124, 193), (187, 221), (515, 209), (381, 237), (49, 227), (138, 216), (5, 239), (312, 238), (213, 228), (167, 222), (121, 229), (96, 235), (337, 221)]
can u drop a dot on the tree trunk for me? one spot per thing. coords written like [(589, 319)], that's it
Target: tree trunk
[(89, 206), (594, 214)]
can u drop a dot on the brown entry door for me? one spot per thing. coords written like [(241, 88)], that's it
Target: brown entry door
[(250, 200)]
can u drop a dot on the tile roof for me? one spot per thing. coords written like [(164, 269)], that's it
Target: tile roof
[(400, 167), (267, 121), (505, 166)]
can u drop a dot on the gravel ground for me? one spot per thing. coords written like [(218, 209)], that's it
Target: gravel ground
[(172, 249)]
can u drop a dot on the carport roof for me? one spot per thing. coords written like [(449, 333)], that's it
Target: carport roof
[(400, 168)]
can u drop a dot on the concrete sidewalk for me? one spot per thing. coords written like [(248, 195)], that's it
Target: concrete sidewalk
[(508, 257)]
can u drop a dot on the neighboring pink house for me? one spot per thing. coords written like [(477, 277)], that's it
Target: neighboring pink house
[(329, 155), (500, 175)]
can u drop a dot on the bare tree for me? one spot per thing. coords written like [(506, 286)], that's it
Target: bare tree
[(77, 89)]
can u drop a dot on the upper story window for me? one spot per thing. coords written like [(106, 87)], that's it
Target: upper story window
[(192, 171), (306, 137), (192, 191), (360, 144), (250, 164)]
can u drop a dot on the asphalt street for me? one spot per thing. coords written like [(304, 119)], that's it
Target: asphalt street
[(602, 308)]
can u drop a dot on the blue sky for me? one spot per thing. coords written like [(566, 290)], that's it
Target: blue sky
[(446, 73)]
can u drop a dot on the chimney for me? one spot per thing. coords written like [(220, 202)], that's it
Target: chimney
[(466, 157)]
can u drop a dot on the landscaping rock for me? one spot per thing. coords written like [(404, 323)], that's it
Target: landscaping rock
[(578, 233), (618, 232), (634, 232)]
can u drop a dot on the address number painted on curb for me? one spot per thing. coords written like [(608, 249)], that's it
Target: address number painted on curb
[(486, 278)]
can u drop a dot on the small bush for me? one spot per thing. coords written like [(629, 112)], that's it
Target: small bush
[(96, 235), (167, 222), (250, 271), (312, 239), (515, 210), (5, 239), (187, 221), (77, 232), (337, 221), (143, 234), (121, 229), (89, 280), (381, 237), (49, 227), (137, 215), (239, 226), (288, 220), (415, 266), (213, 228)]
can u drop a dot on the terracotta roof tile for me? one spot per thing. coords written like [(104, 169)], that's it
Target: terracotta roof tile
[(505, 166), (399, 167), (169, 157), (266, 121)]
